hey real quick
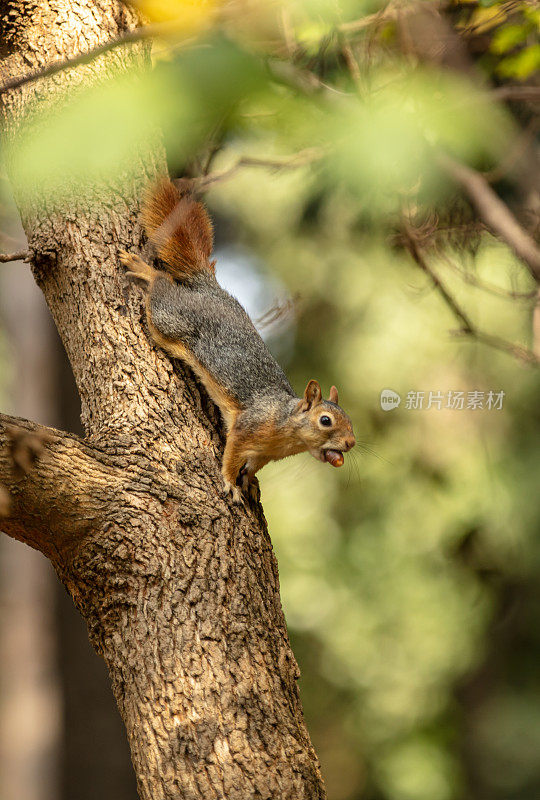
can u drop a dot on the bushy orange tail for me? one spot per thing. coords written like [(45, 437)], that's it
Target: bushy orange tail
[(179, 228)]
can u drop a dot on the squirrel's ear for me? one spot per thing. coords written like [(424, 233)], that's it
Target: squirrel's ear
[(333, 395), (312, 395)]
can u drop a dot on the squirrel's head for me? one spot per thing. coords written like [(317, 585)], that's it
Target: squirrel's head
[(325, 428)]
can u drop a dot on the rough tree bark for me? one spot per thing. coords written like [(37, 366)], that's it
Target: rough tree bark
[(179, 589)]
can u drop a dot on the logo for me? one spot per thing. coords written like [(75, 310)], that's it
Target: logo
[(389, 400)]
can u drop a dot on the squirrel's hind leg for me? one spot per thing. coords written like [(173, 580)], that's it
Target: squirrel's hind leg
[(137, 268)]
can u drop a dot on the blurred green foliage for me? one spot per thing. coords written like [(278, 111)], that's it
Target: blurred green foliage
[(409, 578), (381, 144), (516, 43), (392, 568)]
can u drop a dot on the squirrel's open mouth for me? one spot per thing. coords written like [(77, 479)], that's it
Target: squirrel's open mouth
[(334, 457)]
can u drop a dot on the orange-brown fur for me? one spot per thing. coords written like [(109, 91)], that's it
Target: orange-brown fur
[(269, 443), (179, 228)]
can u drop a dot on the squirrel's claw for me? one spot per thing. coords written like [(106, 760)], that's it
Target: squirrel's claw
[(249, 484), (235, 491), (244, 479), (253, 489)]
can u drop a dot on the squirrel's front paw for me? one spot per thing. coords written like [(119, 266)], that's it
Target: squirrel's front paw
[(230, 489)]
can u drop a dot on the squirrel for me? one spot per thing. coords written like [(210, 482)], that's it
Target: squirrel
[(192, 318)]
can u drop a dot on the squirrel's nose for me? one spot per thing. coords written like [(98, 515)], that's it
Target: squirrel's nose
[(350, 443)]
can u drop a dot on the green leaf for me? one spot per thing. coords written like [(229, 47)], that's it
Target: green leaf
[(522, 65), (508, 37)]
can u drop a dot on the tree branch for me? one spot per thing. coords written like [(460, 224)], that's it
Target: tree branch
[(497, 343), (51, 484), (411, 244), (128, 37), (516, 152), (385, 13), (496, 215), (467, 327), (295, 161), (20, 255), (485, 286), (529, 94)]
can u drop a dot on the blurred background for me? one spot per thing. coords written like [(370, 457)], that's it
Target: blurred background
[(410, 577)]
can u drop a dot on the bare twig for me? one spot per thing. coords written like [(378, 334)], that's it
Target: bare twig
[(474, 27), (497, 343), (20, 255), (495, 213), (302, 80), (485, 286), (411, 244), (299, 159), (129, 37), (288, 32), (350, 60), (202, 182), (467, 327), (279, 311), (525, 93), (388, 12), (212, 153), (516, 152)]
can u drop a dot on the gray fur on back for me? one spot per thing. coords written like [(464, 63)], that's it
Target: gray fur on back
[(219, 333)]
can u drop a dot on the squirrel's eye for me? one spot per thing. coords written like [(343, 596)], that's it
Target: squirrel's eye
[(326, 421)]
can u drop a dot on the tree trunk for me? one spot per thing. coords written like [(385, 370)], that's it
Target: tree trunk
[(179, 588)]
